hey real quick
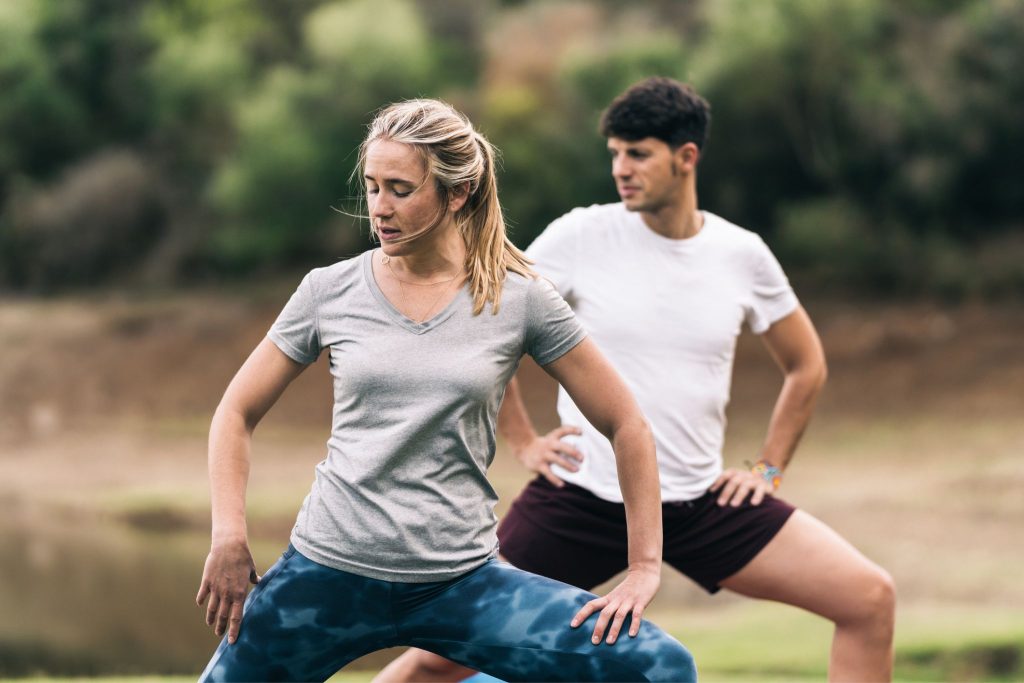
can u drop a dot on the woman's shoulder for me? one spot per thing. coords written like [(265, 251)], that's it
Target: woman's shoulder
[(350, 266), (520, 284), (337, 277), (527, 289)]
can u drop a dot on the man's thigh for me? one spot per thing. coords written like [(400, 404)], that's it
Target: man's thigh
[(708, 542), (565, 534), (808, 565)]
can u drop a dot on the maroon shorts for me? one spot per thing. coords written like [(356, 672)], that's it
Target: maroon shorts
[(571, 535)]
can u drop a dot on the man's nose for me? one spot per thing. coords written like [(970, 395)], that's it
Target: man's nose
[(621, 168)]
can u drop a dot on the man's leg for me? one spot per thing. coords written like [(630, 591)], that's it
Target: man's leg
[(419, 665), (809, 565)]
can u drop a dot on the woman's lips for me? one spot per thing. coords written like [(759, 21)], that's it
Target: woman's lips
[(387, 234)]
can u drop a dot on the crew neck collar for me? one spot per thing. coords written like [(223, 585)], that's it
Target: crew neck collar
[(683, 244)]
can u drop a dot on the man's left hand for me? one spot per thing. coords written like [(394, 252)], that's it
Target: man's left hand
[(735, 485)]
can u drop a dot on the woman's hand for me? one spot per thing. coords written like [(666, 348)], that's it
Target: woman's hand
[(630, 597), (226, 577)]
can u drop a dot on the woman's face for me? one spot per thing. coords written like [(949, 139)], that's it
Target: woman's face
[(401, 199)]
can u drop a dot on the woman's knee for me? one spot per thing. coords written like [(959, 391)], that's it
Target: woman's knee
[(675, 663)]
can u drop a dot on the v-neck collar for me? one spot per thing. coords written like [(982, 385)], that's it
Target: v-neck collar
[(396, 315)]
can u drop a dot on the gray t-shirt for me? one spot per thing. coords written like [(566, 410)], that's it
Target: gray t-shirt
[(403, 494)]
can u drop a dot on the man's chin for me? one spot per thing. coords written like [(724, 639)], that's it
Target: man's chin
[(632, 203)]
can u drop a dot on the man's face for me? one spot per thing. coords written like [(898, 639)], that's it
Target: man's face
[(647, 173)]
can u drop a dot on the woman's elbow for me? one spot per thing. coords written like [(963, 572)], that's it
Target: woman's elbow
[(634, 427), (231, 417)]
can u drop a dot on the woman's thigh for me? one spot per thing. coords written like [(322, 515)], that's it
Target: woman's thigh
[(515, 625), (303, 622)]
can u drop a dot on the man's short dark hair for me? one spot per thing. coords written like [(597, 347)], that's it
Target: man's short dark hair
[(661, 108)]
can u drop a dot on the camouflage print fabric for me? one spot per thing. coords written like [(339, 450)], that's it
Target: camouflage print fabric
[(305, 621)]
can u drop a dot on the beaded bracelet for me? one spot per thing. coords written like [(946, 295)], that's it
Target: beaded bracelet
[(770, 473)]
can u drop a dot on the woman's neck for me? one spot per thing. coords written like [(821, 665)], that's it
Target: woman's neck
[(441, 254)]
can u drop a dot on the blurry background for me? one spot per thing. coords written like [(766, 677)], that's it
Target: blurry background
[(170, 168)]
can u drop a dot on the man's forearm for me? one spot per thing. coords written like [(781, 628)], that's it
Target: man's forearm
[(791, 414)]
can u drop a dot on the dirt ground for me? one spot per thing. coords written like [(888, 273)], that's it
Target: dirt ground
[(914, 453)]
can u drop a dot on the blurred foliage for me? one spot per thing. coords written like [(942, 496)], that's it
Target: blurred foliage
[(876, 145)]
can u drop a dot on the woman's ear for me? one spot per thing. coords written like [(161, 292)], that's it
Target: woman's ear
[(458, 197)]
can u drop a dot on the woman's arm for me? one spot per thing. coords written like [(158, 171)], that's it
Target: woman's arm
[(607, 403), (229, 566)]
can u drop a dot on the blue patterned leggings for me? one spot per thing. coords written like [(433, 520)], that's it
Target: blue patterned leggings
[(305, 621)]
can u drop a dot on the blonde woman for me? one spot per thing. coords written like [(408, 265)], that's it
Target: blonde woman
[(395, 544)]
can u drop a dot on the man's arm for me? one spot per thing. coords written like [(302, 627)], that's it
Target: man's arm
[(536, 452), (794, 345)]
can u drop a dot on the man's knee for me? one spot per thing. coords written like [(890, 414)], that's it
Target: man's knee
[(883, 594), (419, 665), (877, 598), (435, 667)]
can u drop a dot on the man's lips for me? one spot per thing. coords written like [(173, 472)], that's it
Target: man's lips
[(626, 190)]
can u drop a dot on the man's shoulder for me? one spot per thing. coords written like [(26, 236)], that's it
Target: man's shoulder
[(593, 220), (727, 233), (594, 214)]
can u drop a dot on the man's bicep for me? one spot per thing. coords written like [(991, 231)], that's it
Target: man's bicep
[(792, 341)]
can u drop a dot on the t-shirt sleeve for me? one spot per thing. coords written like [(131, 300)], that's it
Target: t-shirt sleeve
[(554, 252), (551, 328), (297, 331), (772, 297)]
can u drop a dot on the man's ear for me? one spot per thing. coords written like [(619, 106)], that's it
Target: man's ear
[(687, 156), (458, 197)]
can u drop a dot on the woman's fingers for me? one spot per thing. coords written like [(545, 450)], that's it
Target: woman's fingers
[(588, 609)]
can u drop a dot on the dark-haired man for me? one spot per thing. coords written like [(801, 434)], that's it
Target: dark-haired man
[(665, 288)]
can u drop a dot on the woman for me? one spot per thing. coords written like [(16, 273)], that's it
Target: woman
[(395, 544)]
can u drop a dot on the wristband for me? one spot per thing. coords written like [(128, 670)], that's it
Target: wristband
[(770, 473)]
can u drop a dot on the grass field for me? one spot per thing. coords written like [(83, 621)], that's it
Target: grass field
[(914, 456)]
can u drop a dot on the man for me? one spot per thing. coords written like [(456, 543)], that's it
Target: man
[(664, 289)]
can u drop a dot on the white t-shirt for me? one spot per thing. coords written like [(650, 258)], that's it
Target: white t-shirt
[(667, 314)]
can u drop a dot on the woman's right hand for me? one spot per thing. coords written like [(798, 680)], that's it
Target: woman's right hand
[(227, 574)]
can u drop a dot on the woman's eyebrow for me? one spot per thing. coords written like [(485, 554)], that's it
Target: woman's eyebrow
[(393, 181)]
